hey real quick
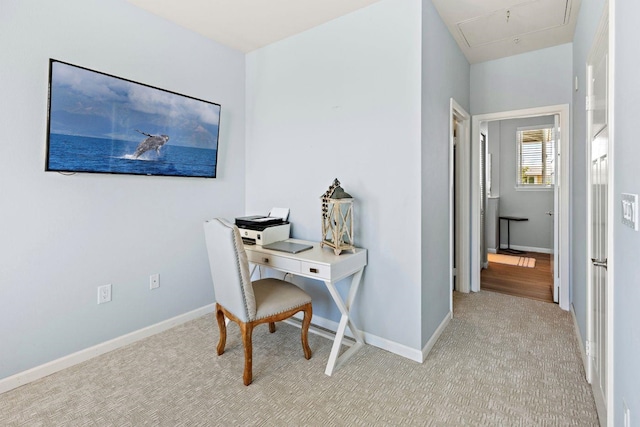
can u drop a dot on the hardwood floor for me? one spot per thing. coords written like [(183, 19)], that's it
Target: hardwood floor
[(535, 283)]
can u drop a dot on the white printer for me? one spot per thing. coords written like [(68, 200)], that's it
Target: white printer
[(262, 230)]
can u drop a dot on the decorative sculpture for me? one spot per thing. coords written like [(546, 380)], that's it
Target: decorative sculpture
[(337, 219)]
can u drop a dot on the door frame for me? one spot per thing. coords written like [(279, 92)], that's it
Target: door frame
[(562, 246), (462, 268), (606, 24)]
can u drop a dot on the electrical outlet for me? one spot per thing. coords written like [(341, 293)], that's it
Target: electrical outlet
[(104, 293), (154, 281)]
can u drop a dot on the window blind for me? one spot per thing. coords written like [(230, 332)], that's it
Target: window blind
[(536, 155)]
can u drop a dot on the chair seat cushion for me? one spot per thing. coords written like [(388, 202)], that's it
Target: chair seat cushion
[(274, 296)]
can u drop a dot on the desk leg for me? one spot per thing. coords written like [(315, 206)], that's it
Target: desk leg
[(336, 361), (252, 270)]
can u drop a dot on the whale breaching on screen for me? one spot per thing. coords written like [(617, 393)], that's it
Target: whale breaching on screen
[(153, 142)]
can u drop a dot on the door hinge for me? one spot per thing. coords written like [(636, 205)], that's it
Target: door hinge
[(587, 348)]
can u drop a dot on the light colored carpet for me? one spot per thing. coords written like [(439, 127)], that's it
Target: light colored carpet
[(520, 261), (502, 361)]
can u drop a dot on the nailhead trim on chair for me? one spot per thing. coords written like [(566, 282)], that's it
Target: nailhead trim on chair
[(246, 307), (239, 264)]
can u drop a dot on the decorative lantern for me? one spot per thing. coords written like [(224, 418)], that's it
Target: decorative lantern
[(337, 219)]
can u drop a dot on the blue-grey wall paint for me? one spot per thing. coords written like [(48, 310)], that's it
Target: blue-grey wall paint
[(445, 75), (534, 79), (588, 19), (63, 236), (626, 247), (342, 100)]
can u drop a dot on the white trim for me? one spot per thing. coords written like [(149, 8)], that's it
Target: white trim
[(464, 150), (73, 359), (534, 187), (564, 182), (327, 326), (394, 347), (432, 341), (581, 345), (610, 213), (535, 127), (324, 327), (57, 365), (521, 186), (527, 249)]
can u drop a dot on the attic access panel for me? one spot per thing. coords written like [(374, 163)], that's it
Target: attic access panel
[(514, 21)]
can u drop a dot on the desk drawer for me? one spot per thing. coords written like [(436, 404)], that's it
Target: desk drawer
[(315, 270), (274, 261)]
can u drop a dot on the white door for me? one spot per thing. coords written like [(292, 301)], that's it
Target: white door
[(456, 205), (555, 214), (459, 194), (598, 132), (483, 198)]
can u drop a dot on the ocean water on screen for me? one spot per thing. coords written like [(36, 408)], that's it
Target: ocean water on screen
[(73, 153)]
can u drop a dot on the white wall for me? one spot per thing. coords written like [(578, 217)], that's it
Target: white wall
[(626, 248), (342, 100), (62, 236), (445, 74)]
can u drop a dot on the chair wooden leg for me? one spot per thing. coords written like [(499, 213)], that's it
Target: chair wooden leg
[(272, 327), (223, 329), (246, 329), (306, 322)]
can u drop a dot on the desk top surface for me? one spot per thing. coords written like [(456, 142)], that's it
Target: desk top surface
[(514, 218)]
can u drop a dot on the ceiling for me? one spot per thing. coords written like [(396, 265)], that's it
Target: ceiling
[(484, 29), (492, 29), (247, 25)]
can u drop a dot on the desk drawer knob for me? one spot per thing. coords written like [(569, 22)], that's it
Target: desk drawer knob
[(265, 260), (313, 270)]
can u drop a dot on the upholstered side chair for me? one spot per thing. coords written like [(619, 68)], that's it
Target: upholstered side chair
[(245, 302)]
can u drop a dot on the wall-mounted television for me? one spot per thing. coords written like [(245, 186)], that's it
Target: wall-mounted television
[(106, 124)]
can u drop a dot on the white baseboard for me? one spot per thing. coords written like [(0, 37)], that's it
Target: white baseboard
[(394, 347), (528, 249), (371, 339), (580, 341), (57, 365), (432, 341)]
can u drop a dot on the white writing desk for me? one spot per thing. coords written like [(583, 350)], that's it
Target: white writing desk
[(322, 264)]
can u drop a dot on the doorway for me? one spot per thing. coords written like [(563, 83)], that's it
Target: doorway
[(562, 179), (517, 208), (459, 181)]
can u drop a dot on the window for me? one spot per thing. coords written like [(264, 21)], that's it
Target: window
[(536, 151)]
